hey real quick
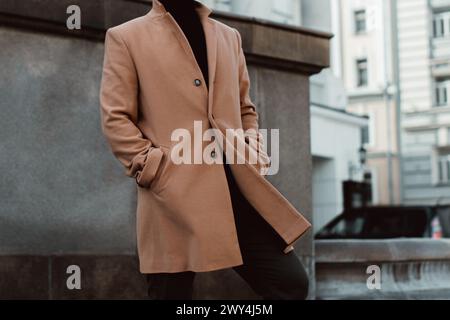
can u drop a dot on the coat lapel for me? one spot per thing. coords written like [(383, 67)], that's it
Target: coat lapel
[(211, 46), (209, 28)]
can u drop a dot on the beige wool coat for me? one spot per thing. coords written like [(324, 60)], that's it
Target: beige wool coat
[(151, 86)]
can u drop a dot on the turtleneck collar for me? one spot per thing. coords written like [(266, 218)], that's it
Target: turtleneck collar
[(178, 5), (158, 8)]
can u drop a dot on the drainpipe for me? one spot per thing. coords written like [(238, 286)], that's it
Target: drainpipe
[(386, 31), (388, 106), (397, 94)]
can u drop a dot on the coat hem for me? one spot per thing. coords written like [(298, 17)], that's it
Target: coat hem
[(295, 232)]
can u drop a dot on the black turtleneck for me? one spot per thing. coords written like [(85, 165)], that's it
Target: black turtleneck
[(187, 18)]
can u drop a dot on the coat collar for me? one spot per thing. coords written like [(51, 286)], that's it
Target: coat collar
[(209, 26), (159, 10)]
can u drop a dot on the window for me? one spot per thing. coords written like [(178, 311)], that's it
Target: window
[(444, 169), (442, 92), (438, 27), (360, 21), (365, 137), (368, 132), (441, 25), (361, 67)]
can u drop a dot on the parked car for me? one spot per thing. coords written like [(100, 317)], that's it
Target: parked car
[(384, 222)]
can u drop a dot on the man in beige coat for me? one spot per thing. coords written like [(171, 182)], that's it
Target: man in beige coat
[(177, 69)]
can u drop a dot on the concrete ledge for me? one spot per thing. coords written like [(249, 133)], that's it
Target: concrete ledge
[(348, 251), (410, 269), (265, 43), (298, 49)]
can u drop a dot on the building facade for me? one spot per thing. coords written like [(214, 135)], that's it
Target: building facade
[(424, 69), (369, 74), (396, 68), (336, 134)]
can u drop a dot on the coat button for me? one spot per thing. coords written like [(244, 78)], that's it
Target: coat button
[(197, 82)]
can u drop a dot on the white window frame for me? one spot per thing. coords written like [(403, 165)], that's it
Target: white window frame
[(360, 15), (443, 169), (358, 62), (442, 93), (441, 166), (441, 25)]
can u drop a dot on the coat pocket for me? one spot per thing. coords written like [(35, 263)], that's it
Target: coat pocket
[(159, 182)]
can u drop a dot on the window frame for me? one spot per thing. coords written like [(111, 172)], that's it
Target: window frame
[(441, 93), (359, 82), (441, 25), (443, 169), (360, 18), (441, 166)]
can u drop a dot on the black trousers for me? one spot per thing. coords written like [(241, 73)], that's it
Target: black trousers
[(271, 273)]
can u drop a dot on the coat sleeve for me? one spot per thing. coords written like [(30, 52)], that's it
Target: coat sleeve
[(249, 116), (119, 113)]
